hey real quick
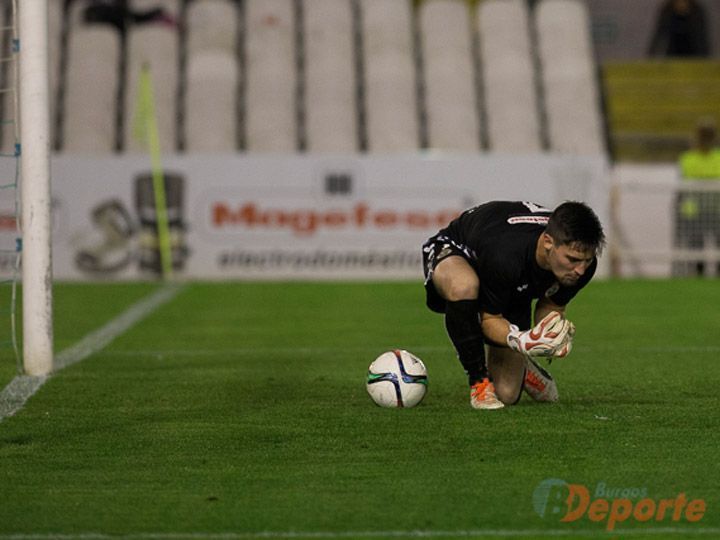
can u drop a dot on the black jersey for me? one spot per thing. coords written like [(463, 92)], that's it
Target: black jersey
[(499, 239)]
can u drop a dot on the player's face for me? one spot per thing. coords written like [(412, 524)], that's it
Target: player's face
[(568, 261)]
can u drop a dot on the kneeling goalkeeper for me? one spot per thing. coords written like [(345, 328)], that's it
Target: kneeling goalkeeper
[(485, 269)]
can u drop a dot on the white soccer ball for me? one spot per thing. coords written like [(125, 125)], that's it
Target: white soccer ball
[(397, 379)]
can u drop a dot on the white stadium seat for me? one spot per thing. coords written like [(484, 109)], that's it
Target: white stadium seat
[(450, 96), (270, 85), (155, 45), (92, 80), (331, 115), (212, 25), (211, 121), (212, 76), (511, 102), (390, 82), (572, 101)]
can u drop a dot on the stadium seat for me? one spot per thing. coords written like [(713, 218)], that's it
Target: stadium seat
[(572, 101), (212, 25), (212, 77), (211, 124), (155, 45), (270, 85), (653, 106), (331, 114), (511, 102), (390, 81), (92, 80), (450, 94)]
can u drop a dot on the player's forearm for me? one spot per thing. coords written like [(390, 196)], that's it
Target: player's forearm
[(495, 329)]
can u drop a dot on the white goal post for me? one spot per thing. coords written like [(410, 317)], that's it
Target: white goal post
[(35, 187)]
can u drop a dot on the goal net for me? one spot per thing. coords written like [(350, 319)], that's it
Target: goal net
[(664, 229), (9, 174)]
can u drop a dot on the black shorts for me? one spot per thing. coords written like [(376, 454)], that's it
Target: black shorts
[(439, 248), (436, 249)]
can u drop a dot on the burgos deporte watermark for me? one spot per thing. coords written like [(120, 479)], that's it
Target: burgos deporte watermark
[(558, 500)]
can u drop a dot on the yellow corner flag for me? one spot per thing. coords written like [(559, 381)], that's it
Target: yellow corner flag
[(145, 130)]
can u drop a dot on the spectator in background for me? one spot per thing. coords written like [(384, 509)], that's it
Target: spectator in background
[(703, 160), (698, 210), (119, 14), (680, 30)]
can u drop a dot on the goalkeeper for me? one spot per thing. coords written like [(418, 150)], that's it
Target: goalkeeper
[(485, 269)]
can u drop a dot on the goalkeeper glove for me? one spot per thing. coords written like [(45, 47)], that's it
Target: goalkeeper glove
[(551, 337), (565, 350)]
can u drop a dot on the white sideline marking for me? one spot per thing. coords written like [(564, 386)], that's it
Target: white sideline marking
[(23, 387), (17, 392), (476, 533)]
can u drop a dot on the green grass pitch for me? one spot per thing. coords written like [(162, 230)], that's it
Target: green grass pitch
[(239, 410)]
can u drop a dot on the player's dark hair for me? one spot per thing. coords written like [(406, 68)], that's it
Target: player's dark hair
[(575, 222)]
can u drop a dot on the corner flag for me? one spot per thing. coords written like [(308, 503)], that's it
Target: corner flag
[(145, 130)]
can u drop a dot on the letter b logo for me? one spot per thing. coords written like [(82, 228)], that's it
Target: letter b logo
[(550, 498)]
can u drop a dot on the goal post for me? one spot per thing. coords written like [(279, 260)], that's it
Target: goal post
[(35, 187)]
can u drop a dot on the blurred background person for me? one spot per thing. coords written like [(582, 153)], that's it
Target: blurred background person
[(698, 211), (680, 30), (118, 13)]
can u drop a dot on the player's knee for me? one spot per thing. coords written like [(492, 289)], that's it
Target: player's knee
[(508, 391), (461, 290), (456, 280), (456, 286)]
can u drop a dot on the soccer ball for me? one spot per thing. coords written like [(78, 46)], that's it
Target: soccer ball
[(397, 379)]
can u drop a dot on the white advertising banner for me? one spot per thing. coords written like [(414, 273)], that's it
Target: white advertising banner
[(289, 217)]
